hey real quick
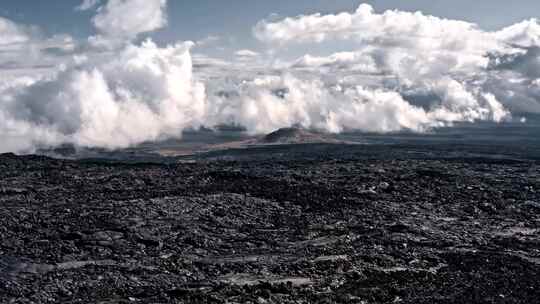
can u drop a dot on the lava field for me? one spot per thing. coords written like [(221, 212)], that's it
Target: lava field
[(359, 228)]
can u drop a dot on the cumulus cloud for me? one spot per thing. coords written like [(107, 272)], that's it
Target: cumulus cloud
[(525, 33), (137, 92), (143, 93), (365, 25), (271, 102), (461, 65), (119, 21), (389, 71), (401, 39)]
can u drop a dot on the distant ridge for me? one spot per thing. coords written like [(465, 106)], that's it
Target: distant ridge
[(295, 135), (284, 136)]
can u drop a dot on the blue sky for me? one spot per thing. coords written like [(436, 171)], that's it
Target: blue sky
[(233, 19)]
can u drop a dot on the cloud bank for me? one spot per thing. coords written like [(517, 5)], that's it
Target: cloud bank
[(132, 94), (451, 59), (389, 71), (144, 93)]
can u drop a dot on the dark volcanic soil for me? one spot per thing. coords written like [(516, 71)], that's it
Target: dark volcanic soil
[(319, 229)]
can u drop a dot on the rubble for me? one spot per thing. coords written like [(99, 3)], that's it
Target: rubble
[(371, 225)]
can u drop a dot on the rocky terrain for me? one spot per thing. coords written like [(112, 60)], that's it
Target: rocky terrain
[(302, 224), (284, 136), (296, 136)]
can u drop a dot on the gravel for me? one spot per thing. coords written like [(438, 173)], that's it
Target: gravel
[(284, 228)]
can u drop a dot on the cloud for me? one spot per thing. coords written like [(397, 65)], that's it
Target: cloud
[(12, 33), (246, 53), (409, 45), (120, 21), (462, 67), (142, 93), (366, 25), (456, 43), (368, 71), (131, 93), (267, 103), (525, 33), (209, 40), (272, 102), (525, 62), (350, 61), (25, 50), (87, 4)]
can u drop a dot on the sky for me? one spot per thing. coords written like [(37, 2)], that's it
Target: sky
[(117, 73), (233, 19)]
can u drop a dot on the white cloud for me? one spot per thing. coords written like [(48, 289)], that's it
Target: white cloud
[(120, 21), (387, 29), (380, 72), (455, 61), (525, 33), (24, 51), (246, 53), (209, 40), (142, 93), (350, 61), (456, 43), (112, 99), (268, 103), (86, 5), (271, 102), (411, 45), (12, 33)]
